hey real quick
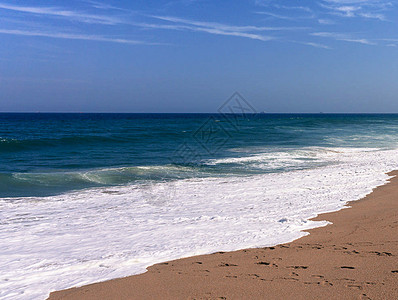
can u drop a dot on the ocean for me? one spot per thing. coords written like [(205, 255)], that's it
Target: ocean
[(91, 197)]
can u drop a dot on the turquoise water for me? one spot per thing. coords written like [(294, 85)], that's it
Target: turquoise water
[(49, 154)]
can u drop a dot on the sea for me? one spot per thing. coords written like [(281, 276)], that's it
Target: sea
[(91, 197)]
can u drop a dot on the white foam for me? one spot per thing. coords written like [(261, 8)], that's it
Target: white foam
[(78, 238), (308, 157)]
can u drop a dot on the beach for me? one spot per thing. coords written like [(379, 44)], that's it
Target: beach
[(70, 220), (354, 257)]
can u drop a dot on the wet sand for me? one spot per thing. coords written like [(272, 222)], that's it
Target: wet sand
[(356, 257)]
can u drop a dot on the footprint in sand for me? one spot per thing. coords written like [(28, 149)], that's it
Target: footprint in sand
[(347, 279), (290, 279), (354, 286), (351, 252), (227, 265), (308, 282), (297, 267), (381, 253)]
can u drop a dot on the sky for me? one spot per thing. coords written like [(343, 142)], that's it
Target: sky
[(192, 55)]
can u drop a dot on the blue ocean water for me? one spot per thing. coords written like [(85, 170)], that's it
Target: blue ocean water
[(47, 154), (90, 197)]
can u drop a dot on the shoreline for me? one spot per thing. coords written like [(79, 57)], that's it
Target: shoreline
[(354, 258)]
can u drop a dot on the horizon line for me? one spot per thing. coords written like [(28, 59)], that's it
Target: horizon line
[(218, 113)]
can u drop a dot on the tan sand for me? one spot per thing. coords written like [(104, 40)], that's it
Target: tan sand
[(354, 258)]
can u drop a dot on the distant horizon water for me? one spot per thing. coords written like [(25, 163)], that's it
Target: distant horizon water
[(199, 113)]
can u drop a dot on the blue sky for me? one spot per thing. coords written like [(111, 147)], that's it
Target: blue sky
[(191, 55)]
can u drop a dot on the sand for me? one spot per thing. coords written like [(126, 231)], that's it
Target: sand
[(356, 257)]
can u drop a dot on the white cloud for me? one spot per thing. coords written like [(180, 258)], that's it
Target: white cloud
[(343, 37), (104, 6), (380, 17), (369, 9), (277, 16), (390, 42), (234, 33), (300, 8), (217, 28), (250, 32), (57, 12), (224, 27), (354, 1), (316, 45), (69, 36), (322, 15), (326, 22)]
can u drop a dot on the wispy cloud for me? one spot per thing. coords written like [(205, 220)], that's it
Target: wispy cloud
[(234, 33), (377, 16), (61, 35), (224, 26), (273, 15), (182, 2), (367, 9), (343, 37), (326, 22), (58, 12), (102, 13), (250, 32), (104, 6), (390, 42), (300, 8), (278, 11), (312, 44)]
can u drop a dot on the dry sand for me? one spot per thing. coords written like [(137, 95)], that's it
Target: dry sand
[(354, 258)]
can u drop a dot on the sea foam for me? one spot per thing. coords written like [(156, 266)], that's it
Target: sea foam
[(52, 243)]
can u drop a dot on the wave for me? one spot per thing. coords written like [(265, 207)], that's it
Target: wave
[(273, 161), (286, 159), (104, 233), (51, 183), (12, 145)]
